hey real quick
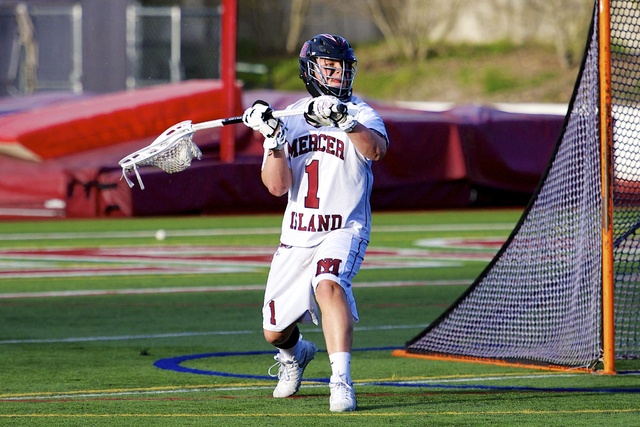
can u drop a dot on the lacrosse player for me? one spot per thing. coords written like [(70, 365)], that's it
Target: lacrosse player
[(322, 160)]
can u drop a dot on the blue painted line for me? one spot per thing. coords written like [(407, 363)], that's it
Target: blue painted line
[(175, 363)]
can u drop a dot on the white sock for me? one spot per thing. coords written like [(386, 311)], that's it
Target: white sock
[(341, 364), (291, 353)]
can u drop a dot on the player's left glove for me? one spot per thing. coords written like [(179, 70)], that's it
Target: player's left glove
[(327, 110), (259, 117)]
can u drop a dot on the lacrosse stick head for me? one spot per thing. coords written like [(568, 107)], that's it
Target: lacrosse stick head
[(172, 152)]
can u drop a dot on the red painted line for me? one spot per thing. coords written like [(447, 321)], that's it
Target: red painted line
[(17, 263), (234, 288)]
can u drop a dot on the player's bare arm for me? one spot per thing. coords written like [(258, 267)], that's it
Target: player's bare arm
[(276, 174), (368, 142)]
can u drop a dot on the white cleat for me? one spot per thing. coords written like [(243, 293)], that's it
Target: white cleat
[(343, 397), (290, 371)]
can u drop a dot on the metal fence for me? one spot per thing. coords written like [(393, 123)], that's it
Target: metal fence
[(40, 48), (170, 44)]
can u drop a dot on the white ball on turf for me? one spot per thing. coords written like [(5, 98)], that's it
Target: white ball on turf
[(161, 235)]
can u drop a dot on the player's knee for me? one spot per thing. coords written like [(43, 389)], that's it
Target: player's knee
[(328, 290), (283, 339), (274, 338)]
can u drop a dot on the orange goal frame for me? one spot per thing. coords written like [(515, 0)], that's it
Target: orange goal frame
[(607, 263)]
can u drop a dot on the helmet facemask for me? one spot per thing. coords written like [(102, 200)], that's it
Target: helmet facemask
[(333, 78)]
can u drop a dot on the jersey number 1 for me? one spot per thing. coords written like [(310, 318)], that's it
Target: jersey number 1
[(312, 201)]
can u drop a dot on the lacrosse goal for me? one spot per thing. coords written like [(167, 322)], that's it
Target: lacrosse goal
[(564, 290)]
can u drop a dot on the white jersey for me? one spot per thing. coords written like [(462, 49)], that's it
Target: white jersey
[(332, 181)]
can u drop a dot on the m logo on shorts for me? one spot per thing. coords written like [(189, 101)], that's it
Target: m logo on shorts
[(328, 265)]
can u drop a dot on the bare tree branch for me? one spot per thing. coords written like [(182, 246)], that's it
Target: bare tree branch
[(569, 22), (297, 18), (413, 26)]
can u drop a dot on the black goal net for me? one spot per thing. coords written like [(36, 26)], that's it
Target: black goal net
[(539, 301)]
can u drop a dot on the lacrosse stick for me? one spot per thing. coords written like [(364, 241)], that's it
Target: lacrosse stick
[(174, 149)]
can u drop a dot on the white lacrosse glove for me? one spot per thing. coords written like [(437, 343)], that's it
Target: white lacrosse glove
[(318, 110), (259, 118), (327, 110)]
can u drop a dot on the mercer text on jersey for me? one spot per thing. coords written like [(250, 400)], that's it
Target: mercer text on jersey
[(317, 142)]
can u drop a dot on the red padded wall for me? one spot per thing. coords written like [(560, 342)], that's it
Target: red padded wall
[(99, 121)]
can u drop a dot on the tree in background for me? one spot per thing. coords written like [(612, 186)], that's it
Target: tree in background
[(297, 19), (414, 26), (569, 20)]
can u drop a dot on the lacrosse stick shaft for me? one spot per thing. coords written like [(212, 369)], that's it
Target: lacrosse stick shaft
[(167, 153), (233, 120)]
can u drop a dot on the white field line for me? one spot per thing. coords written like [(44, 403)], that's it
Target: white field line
[(239, 231), (120, 272), (135, 392), (187, 289), (186, 335), (488, 378), (123, 337), (250, 387)]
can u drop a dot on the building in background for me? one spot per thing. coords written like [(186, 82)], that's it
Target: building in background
[(99, 46)]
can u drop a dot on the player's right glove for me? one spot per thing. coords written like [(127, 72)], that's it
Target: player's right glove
[(319, 110), (259, 117), (327, 110)]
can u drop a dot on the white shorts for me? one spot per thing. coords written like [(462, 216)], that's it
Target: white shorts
[(295, 273)]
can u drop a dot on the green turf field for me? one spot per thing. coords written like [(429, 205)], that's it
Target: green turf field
[(103, 324)]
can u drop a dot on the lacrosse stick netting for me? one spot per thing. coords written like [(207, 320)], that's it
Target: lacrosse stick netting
[(174, 149), (172, 152)]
